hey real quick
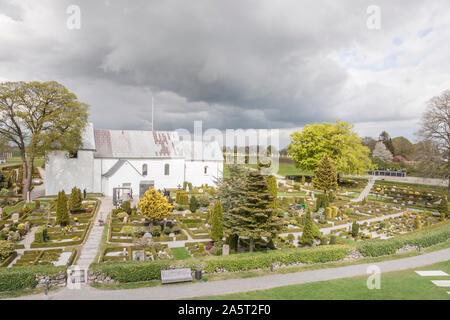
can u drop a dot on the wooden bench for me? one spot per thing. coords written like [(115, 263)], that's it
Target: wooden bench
[(176, 275)]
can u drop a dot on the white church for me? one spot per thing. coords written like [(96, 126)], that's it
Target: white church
[(131, 161)]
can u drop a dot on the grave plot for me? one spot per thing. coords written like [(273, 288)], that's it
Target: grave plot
[(49, 234), (128, 229), (196, 249), (421, 197), (55, 257), (197, 228), (155, 251)]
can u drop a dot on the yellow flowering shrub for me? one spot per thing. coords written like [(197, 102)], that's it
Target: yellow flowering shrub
[(154, 205)]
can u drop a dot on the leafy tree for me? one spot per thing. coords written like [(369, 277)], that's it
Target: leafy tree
[(382, 153), (154, 205), (62, 213), (436, 130), (253, 216), (325, 176), (369, 142), (217, 222), (193, 204), (339, 141), (37, 117), (403, 147), (75, 200), (273, 189)]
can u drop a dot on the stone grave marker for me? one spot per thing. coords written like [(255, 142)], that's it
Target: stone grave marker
[(225, 249)]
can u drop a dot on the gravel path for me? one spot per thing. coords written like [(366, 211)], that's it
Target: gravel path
[(190, 290)]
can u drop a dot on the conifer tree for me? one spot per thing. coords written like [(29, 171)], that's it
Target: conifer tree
[(253, 216), (443, 207), (273, 189), (308, 232), (217, 222), (325, 175), (62, 214), (417, 222), (193, 204), (75, 199), (355, 229)]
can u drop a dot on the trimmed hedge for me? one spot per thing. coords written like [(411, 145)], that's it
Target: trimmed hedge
[(24, 277), (133, 271), (424, 238)]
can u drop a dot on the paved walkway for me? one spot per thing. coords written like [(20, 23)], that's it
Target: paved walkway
[(365, 191), (39, 191), (90, 248), (198, 289)]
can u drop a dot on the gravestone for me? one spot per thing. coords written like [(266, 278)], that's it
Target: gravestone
[(15, 217), (176, 275), (147, 235), (225, 249), (138, 255)]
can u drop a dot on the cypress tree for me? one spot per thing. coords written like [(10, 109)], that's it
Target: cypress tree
[(62, 214), (417, 222), (217, 222), (325, 175), (75, 200), (308, 233), (253, 215), (355, 229), (443, 207), (193, 204)]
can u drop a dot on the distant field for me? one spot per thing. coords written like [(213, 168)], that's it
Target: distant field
[(39, 162), (286, 167)]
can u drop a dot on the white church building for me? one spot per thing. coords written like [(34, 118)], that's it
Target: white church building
[(132, 161)]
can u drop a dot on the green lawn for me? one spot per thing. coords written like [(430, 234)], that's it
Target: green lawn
[(284, 169), (394, 286), (180, 253)]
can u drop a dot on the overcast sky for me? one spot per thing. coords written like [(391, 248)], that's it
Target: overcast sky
[(235, 63)]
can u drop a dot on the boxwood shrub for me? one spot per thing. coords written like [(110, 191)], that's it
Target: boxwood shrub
[(424, 238)]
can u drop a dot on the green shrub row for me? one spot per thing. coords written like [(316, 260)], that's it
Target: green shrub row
[(424, 238), (133, 271), (24, 277)]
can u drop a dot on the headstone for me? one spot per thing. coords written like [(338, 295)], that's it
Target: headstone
[(15, 217), (225, 249), (147, 235)]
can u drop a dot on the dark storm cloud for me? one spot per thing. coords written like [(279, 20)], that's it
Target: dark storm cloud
[(232, 64)]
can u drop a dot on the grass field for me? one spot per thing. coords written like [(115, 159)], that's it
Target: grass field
[(284, 169), (394, 286), (39, 162)]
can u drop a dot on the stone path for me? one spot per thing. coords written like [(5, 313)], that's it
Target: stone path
[(27, 240), (198, 289), (90, 247), (39, 191), (365, 191)]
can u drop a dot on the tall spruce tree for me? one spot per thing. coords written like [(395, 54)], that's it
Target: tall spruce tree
[(62, 214), (217, 222), (325, 176), (253, 216), (273, 189)]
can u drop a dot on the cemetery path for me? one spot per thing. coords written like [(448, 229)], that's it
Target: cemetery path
[(365, 191), (199, 289), (90, 247), (39, 191)]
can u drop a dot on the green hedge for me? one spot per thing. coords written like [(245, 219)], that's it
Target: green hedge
[(133, 271), (8, 260), (24, 277), (424, 238)]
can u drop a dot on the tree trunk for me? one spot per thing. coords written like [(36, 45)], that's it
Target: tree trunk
[(25, 185), (252, 244)]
